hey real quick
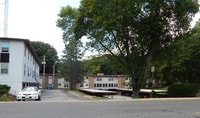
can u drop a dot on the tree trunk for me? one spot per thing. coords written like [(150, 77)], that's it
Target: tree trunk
[(135, 87)]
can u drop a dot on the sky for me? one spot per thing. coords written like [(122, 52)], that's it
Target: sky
[(36, 20)]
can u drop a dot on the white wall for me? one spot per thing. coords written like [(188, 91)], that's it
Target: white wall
[(62, 83), (86, 82), (17, 60), (105, 82), (14, 76)]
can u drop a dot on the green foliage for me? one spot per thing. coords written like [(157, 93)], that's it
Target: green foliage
[(72, 67), (133, 31), (106, 64), (50, 53), (183, 90), (180, 61), (4, 89)]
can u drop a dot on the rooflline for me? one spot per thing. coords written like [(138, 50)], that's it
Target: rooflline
[(27, 43)]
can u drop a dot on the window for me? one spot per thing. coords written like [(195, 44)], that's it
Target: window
[(99, 79), (110, 85), (104, 85), (4, 46), (24, 69), (4, 57), (27, 71), (4, 68), (110, 79), (25, 51)]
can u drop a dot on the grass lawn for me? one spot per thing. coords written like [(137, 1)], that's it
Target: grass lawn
[(7, 97)]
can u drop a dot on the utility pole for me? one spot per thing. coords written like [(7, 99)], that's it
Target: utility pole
[(6, 19), (5, 22), (53, 80), (43, 62)]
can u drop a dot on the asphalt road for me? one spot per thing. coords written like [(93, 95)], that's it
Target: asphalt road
[(59, 95), (102, 109)]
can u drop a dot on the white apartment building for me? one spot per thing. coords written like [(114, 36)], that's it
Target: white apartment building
[(19, 64)]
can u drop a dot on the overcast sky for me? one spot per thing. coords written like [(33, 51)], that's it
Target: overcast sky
[(36, 20)]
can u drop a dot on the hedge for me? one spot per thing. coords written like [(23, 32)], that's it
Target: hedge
[(183, 90), (4, 89)]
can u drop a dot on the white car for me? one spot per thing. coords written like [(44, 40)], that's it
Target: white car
[(30, 93)]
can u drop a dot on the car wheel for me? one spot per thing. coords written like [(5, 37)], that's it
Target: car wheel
[(39, 98), (18, 99)]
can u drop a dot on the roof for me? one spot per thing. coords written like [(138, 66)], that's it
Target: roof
[(107, 75), (27, 43)]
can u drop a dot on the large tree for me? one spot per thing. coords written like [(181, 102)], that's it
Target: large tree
[(133, 29), (71, 66), (50, 53)]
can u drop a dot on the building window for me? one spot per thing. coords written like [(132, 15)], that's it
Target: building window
[(111, 85), (99, 79), (110, 79), (28, 71), (104, 85), (25, 51), (59, 84), (4, 68), (24, 69), (5, 47), (4, 57)]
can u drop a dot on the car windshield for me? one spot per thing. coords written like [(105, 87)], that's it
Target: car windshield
[(30, 89)]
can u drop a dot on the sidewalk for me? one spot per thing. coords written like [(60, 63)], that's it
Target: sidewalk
[(128, 98)]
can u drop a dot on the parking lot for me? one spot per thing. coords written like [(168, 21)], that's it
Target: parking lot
[(59, 95)]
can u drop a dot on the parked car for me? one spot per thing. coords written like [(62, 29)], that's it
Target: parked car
[(29, 93)]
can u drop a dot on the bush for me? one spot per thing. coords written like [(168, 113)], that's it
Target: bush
[(4, 89), (183, 90)]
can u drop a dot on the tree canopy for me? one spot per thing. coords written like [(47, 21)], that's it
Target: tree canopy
[(133, 29), (106, 64), (50, 53), (71, 67), (181, 63)]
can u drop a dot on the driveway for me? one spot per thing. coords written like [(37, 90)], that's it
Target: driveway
[(59, 95)]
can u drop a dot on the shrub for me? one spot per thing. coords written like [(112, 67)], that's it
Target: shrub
[(4, 89), (183, 90)]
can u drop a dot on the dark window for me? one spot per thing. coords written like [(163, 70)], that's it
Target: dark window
[(4, 57)]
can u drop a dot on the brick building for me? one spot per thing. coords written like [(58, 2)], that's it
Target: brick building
[(101, 81)]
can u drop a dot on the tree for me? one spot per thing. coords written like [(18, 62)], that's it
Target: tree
[(103, 64), (133, 30), (72, 67), (184, 66), (50, 53)]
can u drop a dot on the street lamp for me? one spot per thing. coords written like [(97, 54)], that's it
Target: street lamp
[(54, 65), (152, 76)]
